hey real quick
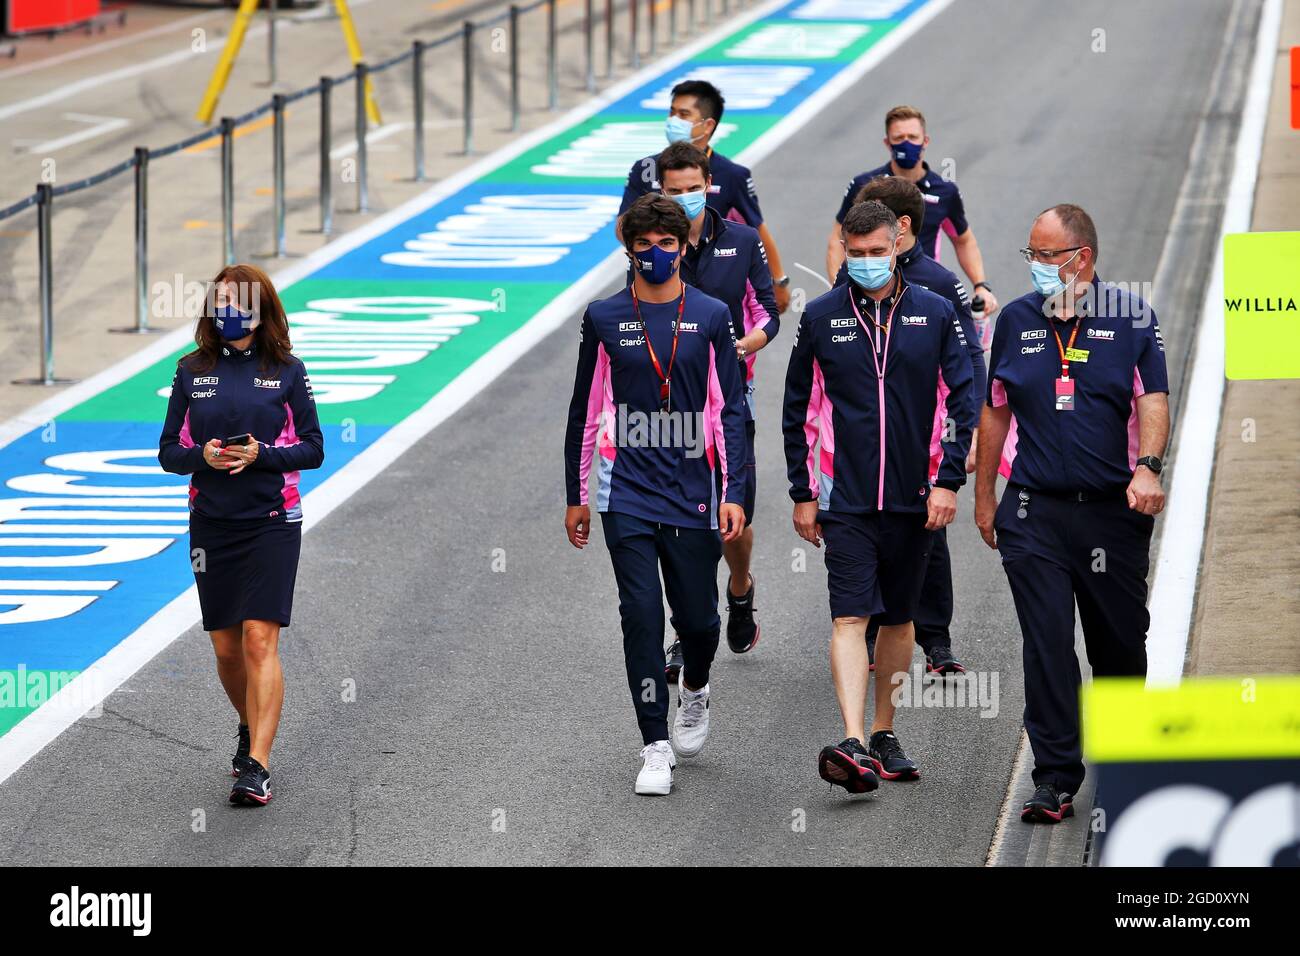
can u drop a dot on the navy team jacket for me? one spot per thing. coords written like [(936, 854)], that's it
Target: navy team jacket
[(275, 406), (657, 474), (874, 432)]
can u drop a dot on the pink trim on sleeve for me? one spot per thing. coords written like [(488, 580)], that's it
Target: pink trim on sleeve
[(599, 413), (713, 418)]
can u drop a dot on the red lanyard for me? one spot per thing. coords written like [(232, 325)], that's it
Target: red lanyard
[(664, 380), (1065, 363)]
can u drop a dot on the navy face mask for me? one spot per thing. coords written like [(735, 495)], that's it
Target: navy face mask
[(232, 324), (655, 265), (907, 154)]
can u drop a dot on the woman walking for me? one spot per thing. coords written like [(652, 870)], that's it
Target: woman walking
[(242, 423)]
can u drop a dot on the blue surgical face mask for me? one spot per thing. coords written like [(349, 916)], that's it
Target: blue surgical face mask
[(692, 203), (907, 154), (231, 323), (1047, 277), (678, 130), (870, 272), (655, 265)]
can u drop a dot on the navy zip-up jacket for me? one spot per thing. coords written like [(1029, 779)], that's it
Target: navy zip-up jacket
[(655, 467), (919, 269), (730, 264), (275, 406), (875, 432)]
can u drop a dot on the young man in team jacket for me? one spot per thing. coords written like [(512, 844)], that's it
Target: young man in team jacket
[(658, 405), (862, 384)]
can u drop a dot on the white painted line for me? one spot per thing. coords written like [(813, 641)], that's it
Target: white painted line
[(98, 80), (93, 685), (57, 585), (102, 125), (1173, 594), (374, 136), (102, 47)]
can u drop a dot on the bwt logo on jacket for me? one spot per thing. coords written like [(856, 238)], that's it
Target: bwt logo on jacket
[(266, 383), (725, 253), (912, 319), (1106, 335)]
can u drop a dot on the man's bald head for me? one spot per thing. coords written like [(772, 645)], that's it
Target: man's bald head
[(1074, 224)]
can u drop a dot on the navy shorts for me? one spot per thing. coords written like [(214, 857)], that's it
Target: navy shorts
[(244, 570), (875, 563)]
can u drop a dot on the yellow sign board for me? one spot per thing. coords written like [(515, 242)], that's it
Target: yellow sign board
[(1261, 305), (1205, 718)]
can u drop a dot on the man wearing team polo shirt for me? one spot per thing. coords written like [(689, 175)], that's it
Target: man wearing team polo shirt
[(1081, 365), (861, 391), (945, 212), (658, 404)]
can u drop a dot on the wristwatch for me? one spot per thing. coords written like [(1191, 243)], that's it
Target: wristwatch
[(782, 282), (983, 285), (1152, 462)]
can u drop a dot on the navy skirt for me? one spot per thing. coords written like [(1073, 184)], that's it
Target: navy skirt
[(245, 570)]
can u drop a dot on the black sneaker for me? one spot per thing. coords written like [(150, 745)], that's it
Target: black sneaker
[(1047, 805), (940, 661), (871, 653), (890, 761), (253, 786), (673, 662), (742, 629), (240, 760), (848, 765)]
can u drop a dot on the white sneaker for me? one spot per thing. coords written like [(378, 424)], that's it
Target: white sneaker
[(656, 776), (691, 727)]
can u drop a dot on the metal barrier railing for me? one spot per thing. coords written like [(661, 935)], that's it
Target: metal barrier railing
[(45, 194)]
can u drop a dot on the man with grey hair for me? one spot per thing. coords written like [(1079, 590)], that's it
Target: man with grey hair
[(1078, 367), (862, 384)]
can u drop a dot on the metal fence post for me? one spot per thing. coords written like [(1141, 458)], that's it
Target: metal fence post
[(672, 24), (589, 36), (277, 171), (228, 190), (552, 58), (271, 10), (326, 174), (141, 326), (691, 20), (468, 91), (609, 38), (363, 196), (417, 96), (45, 223), (514, 67), (633, 51), (653, 27)]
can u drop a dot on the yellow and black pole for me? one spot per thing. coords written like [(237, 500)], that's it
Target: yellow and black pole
[(222, 73), (354, 51)]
